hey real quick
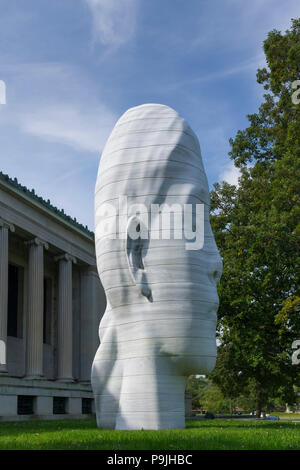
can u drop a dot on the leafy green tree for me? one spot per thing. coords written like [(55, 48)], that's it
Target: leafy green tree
[(228, 376), (214, 400), (207, 396), (255, 226), (196, 386)]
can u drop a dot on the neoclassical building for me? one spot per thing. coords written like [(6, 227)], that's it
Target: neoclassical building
[(51, 303)]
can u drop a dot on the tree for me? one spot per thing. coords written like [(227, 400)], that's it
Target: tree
[(196, 386), (207, 396), (255, 226), (227, 374), (214, 401)]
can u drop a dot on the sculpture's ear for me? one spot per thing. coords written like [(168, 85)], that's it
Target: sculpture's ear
[(136, 242)]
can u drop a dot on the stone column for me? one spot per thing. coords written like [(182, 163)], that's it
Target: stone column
[(93, 304), (34, 325), (65, 318), (4, 228)]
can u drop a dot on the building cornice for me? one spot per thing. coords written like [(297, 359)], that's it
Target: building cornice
[(44, 205)]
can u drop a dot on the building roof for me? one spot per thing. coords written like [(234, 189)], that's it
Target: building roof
[(59, 212)]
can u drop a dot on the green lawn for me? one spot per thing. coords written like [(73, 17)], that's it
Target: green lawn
[(204, 434)]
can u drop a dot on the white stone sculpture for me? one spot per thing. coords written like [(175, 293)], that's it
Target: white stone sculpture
[(160, 323)]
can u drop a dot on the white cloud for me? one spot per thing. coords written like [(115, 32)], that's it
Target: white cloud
[(266, 15), (230, 174), (114, 21), (250, 65), (58, 104), (2, 92), (81, 129)]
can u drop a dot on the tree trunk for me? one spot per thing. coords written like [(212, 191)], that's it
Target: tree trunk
[(230, 406), (258, 398), (258, 408)]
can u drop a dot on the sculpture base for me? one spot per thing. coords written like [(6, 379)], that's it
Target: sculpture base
[(149, 421)]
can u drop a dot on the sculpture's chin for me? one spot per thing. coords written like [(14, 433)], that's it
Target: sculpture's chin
[(196, 365), (206, 364), (191, 355)]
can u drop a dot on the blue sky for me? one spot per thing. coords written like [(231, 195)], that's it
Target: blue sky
[(72, 67)]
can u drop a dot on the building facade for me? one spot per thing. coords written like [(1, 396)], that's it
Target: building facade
[(51, 303)]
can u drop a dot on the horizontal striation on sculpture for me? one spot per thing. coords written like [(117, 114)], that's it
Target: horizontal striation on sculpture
[(160, 323)]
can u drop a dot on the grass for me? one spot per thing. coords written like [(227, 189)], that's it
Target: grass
[(202, 434)]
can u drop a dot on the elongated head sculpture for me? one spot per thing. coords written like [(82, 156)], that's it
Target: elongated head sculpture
[(159, 266)]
